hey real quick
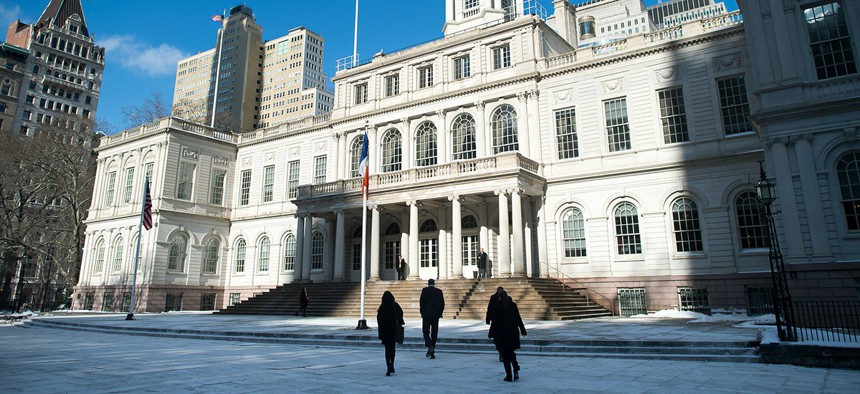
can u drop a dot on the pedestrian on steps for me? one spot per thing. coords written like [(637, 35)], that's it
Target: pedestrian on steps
[(303, 302)]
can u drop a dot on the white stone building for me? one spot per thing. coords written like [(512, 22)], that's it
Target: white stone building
[(620, 166)]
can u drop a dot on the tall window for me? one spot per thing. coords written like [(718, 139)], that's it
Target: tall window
[(245, 188), (263, 259), (319, 169), (100, 256), (293, 180), (176, 254), (462, 68), (463, 138), (361, 93), (392, 151), (848, 172), (573, 233), (425, 77), (268, 183), (317, 250), (210, 256), (117, 254), (111, 181), (428, 248), (504, 126), (501, 56), (565, 133), (147, 171), (751, 226), (289, 252), (617, 126), (216, 195), (627, 235), (830, 40), (392, 85), (356, 257), (685, 222), (355, 156), (240, 255), (185, 180), (673, 116), (734, 105), (129, 182), (425, 144)]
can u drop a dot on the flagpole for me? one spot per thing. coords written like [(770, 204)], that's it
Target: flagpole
[(355, 38), (364, 164), (130, 315), (218, 68)]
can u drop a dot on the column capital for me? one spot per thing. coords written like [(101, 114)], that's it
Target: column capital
[(522, 97), (480, 105), (533, 94), (338, 135), (440, 113), (500, 191), (455, 197), (416, 203)]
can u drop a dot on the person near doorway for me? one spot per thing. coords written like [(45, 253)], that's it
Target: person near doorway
[(303, 302), (482, 264), (432, 304), (400, 265)]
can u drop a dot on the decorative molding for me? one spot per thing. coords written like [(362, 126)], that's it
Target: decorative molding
[(190, 154), (613, 85), (562, 96), (728, 62), (668, 74), (220, 161), (294, 152), (269, 157), (246, 161), (320, 146)]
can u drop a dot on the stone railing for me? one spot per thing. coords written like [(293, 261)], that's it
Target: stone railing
[(284, 127), (165, 123), (417, 176)]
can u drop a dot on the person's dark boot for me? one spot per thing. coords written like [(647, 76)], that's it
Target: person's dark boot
[(508, 372), (433, 351)]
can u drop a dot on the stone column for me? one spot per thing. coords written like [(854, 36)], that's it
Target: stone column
[(342, 157), (339, 246), (528, 228), (504, 258), (413, 239), (442, 155), (457, 235), (375, 273), (480, 132), (812, 198), (484, 236), (307, 251), (406, 145), (443, 247), (541, 236), (535, 150), (793, 242), (523, 124), (300, 248), (518, 266)]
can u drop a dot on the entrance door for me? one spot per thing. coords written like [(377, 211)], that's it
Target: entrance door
[(470, 256), (428, 258), (390, 252)]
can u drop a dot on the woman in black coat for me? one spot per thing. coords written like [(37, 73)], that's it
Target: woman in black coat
[(505, 329), (389, 319)]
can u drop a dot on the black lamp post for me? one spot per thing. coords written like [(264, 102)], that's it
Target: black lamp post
[(782, 308)]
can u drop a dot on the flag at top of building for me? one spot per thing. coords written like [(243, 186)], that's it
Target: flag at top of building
[(364, 166), (146, 220), (217, 18)]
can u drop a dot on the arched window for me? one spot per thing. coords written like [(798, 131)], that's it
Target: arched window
[(751, 227), (848, 172), (210, 256), (573, 233), (317, 250), (355, 156), (627, 237), (392, 229), (289, 252), (176, 256), (463, 138), (392, 151), (425, 144), (100, 256), (240, 255), (263, 255), (117, 254), (685, 221), (468, 221), (428, 225), (504, 127)]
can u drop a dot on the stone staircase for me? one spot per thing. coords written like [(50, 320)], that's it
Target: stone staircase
[(537, 298)]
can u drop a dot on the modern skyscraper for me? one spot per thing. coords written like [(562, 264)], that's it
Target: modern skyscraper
[(63, 72)]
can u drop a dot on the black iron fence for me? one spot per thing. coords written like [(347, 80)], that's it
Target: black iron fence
[(831, 321)]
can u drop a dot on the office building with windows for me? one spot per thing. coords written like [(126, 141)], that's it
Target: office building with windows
[(624, 164)]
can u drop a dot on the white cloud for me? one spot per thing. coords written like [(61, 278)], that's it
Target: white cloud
[(9, 14), (141, 57)]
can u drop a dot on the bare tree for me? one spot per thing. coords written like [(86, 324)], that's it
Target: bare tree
[(200, 113), (152, 109)]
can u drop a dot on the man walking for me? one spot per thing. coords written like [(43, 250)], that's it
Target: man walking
[(482, 264), (432, 305)]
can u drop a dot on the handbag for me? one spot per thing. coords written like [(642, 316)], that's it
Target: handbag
[(398, 335)]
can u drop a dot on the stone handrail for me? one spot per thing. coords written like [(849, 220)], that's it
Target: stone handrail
[(165, 123)]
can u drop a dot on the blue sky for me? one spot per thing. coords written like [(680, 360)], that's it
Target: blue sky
[(145, 39)]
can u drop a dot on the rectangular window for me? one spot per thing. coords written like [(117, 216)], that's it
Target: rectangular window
[(129, 182), (319, 169), (673, 116), (293, 180), (235, 298), (245, 188), (361, 93), (147, 171), (428, 252), (502, 57), (126, 301), (216, 194), (830, 40), (461, 67), (392, 85), (268, 183), (185, 181), (425, 77), (565, 131), (173, 302), (356, 257), (617, 127), (207, 301), (107, 302), (734, 105), (110, 188)]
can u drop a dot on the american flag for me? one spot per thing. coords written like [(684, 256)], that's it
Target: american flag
[(147, 208), (217, 18), (364, 166)]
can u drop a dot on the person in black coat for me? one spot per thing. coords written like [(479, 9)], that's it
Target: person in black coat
[(482, 264), (505, 330), (303, 302), (491, 307), (389, 319), (432, 304)]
